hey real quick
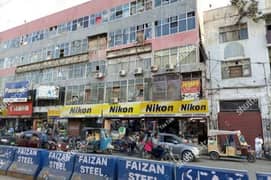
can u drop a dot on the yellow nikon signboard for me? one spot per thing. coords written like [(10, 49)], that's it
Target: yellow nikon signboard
[(175, 107), (53, 113), (92, 110), (137, 109), (122, 109)]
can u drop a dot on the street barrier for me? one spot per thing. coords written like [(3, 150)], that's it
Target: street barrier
[(263, 176), (209, 173), (27, 163), (30, 163), (6, 158), (57, 165), (94, 167), (142, 169)]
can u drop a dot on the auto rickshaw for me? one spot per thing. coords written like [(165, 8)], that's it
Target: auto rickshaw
[(96, 140), (231, 148)]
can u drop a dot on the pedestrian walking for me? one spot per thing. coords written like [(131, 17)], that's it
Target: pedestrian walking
[(258, 146)]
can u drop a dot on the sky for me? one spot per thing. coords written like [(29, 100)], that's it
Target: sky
[(17, 12)]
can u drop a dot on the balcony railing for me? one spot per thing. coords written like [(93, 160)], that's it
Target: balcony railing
[(268, 36)]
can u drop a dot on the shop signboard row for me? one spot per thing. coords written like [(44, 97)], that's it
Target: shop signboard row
[(136, 109), (42, 164)]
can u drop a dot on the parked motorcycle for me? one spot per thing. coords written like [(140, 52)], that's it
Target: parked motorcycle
[(167, 154)]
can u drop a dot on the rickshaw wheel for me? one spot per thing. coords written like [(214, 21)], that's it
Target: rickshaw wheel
[(251, 158), (214, 155)]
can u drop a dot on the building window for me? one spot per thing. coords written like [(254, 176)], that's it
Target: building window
[(179, 55), (236, 68), (95, 67), (166, 87), (234, 105), (233, 33), (75, 95), (129, 35), (77, 71), (175, 24)]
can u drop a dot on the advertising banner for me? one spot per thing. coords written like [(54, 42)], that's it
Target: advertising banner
[(57, 165), (190, 89), (92, 110), (98, 167), (121, 109), (208, 173), (143, 169), (20, 109), (16, 91), (263, 176), (175, 107), (6, 158), (53, 113), (47, 92), (27, 162)]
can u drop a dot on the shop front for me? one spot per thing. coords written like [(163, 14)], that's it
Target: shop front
[(188, 118), (19, 115), (80, 116), (123, 115), (19, 107)]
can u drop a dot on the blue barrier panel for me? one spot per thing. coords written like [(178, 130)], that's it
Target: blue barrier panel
[(57, 165), (6, 158), (209, 173), (136, 169), (27, 163), (263, 176), (94, 167)]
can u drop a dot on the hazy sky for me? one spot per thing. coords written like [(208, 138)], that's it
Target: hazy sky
[(16, 12)]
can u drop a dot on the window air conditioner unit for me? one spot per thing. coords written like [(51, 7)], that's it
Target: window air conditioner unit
[(170, 67), (99, 75), (154, 68), (115, 100), (138, 71), (122, 73)]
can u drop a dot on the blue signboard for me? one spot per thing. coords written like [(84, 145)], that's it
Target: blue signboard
[(136, 169), (27, 162), (263, 176), (6, 157), (57, 165), (16, 91), (209, 173), (94, 167)]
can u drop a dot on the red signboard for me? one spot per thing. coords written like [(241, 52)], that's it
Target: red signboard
[(190, 89), (192, 86), (20, 109)]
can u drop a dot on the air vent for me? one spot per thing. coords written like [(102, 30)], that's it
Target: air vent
[(122, 73), (115, 100), (138, 71), (154, 68), (99, 75), (170, 67)]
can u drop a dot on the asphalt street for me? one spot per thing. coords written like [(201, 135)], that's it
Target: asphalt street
[(252, 168)]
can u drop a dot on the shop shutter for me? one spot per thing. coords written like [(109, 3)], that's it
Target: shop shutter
[(249, 123)]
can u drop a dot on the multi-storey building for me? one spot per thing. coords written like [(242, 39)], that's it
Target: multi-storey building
[(103, 62), (238, 69)]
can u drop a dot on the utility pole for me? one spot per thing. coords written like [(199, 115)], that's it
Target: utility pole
[(266, 132)]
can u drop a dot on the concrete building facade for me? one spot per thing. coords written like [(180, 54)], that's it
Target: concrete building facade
[(238, 71), (110, 61)]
